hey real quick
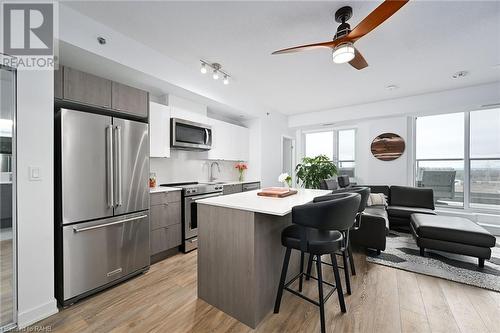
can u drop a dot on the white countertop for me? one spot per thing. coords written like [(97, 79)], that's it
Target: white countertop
[(163, 189), (250, 201)]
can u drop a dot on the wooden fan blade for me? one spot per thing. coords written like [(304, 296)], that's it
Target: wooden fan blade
[(376, 18), (330, 44), (359, 61)]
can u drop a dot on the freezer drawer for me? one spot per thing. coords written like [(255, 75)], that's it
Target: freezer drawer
[(99, 252)]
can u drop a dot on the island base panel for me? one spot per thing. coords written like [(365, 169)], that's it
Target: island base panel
[(239, 261)]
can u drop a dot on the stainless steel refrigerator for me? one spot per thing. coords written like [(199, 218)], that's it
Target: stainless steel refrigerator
[(102, 202)]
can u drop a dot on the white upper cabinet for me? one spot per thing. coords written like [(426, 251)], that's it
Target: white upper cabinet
[(229, 142), (188, 110), (159, 130)]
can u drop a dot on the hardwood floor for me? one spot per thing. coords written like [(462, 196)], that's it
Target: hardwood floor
[(383, 300), (6, 282)]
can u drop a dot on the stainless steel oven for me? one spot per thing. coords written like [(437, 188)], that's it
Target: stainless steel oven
[(191, 220), (190, 135)]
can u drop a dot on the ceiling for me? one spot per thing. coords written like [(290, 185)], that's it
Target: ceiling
[(418, 49)]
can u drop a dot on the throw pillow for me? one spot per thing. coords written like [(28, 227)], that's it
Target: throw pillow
[(377, 199)]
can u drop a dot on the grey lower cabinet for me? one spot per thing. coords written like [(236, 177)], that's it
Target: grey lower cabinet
[(231, 188), (241, 187), (129, 100), (165, 221), (86, 88)]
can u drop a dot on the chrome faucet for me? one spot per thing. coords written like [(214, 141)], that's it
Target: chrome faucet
[(212, 178)]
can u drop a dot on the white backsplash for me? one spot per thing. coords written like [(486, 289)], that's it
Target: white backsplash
[(188, 166)]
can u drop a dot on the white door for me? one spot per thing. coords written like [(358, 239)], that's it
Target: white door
[(287, 160)]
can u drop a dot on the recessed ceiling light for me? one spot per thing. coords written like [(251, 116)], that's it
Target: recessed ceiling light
[(460, 74), (391, 87)]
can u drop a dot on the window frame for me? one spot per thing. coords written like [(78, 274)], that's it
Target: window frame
[(335, 152), (339, 161), (466, 160)]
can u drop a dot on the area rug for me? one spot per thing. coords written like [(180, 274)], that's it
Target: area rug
[(402, 252)]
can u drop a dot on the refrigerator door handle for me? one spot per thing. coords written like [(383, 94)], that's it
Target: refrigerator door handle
[(76, 229), (109, 165), (119, 200)]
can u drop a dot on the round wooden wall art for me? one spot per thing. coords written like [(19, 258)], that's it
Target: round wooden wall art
[(388, 146)]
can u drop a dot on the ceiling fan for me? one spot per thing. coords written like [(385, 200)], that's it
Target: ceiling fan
[(344, 39)]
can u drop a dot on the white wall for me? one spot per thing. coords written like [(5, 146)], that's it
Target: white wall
[(372, 171), (456, 100), (265, 147), (35, 205), (185, 166), (254, 153)]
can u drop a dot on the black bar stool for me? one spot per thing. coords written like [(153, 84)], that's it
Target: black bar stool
[(346, 253), (315, 230), (365, 193)]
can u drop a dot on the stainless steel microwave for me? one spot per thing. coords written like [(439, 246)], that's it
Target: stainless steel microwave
[(189, 135)]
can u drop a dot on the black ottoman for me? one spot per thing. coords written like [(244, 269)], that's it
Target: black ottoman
[(452, 234)]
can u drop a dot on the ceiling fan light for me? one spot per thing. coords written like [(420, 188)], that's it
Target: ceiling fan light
[(343, 53), (226, 79), (215, 75)]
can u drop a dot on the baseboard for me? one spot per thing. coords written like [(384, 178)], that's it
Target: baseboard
[(31, 316)]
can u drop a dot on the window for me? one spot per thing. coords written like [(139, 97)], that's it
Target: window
[(485, 159), (458, 156), (319, 143), (339, 146), (440, 157), (346, 152)]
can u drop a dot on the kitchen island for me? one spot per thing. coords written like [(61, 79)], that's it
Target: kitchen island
[(240, 253)]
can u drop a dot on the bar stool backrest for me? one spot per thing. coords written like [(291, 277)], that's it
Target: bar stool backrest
[(331, 212)]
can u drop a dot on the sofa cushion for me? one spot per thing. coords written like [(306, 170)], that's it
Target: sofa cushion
[(451, 229), (378, 189), (378, 211), (411, 197), (405, 212)]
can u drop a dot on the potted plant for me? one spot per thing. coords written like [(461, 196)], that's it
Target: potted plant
[(314, 169)]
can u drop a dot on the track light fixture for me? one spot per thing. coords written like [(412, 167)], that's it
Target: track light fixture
[(216, 71), (203, 68)]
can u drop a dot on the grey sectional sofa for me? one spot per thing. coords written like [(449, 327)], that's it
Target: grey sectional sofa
[(377, 220)]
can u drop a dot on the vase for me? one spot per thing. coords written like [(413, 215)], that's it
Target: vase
[(240, 178)]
